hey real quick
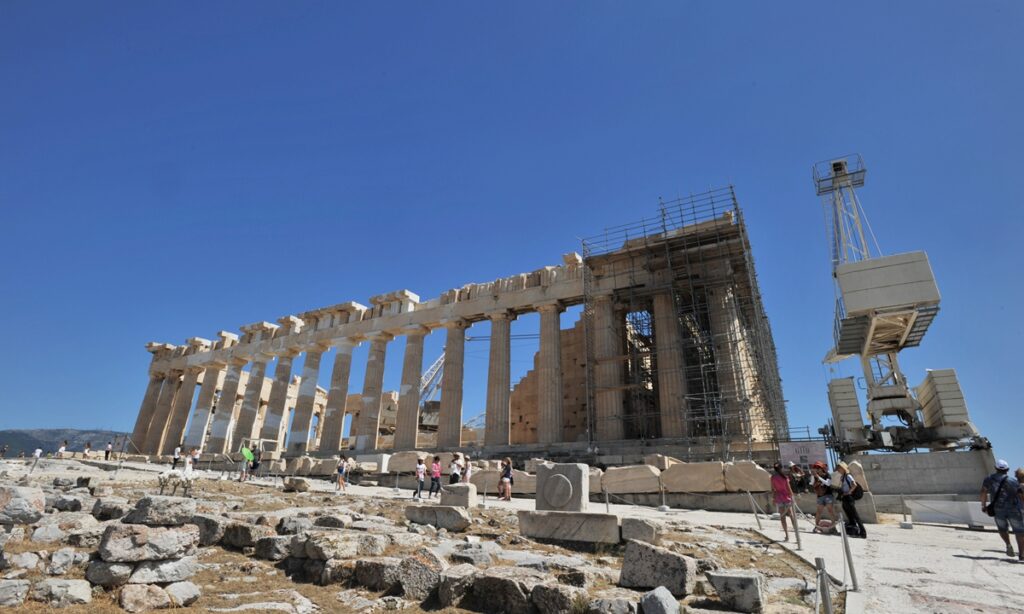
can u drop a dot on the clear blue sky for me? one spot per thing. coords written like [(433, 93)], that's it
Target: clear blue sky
[(169, 170)]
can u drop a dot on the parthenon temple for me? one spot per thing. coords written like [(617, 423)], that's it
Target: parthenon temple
[(672, 349)]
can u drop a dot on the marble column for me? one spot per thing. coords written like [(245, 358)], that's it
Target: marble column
[(273, 420), (224, 416), (298, 436), (373, 389), (727, 336), (608, 371), (499, 379), (671, 367), (408, 421), (250, 402), (158, 425), (213, 380), (146, 411), (334, 412), (550, 423), (449, 421), (180, 410)]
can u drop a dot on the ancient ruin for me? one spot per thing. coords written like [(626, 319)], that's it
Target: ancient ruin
[(673, 346)]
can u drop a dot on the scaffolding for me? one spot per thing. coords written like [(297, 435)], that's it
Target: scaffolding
[(697, 252)]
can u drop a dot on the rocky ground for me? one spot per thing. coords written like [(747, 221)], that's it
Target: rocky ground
[(78, 539)]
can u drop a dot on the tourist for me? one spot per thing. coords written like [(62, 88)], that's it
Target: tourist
[(467, 469), (37, 454), (190, 462), (87, 450), (63, 448), (257, 458), (455, 470), (797, 479), (506, 479), (342, 471), (782, 494), (1001, 498), (175, 457), (108, 451), (435, 477), (421, 478), (849, 493), (822, 484), (3, 451)]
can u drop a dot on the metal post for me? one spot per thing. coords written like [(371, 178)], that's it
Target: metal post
[(485, 494), (753, 510), (607, 505), (903, 507), (823, 585), (849, 555), (796, 529)]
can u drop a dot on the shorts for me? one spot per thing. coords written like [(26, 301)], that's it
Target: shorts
[(783, 507), (506, 480), (1013, 520), (826, 500)]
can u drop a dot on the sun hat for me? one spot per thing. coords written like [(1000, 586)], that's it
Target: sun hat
[(1002, 465), (842, 465)]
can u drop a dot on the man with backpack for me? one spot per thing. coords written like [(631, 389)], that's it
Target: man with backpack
[(1001, 498), (849, 493)]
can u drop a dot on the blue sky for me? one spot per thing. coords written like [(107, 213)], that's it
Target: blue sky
[(170, 170)]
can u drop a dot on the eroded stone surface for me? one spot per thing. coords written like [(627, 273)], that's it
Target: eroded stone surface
[(143, 597), (647, 566), (128, 543), (157, 510)]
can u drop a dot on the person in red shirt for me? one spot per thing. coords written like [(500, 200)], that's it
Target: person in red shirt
[(435, 478), (782, 494)]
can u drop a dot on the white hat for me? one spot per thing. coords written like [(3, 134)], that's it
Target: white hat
[(1002, 465)]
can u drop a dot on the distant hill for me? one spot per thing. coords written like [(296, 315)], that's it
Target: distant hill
[(50, 439)]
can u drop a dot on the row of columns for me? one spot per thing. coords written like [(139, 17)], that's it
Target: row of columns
[(164, 411)]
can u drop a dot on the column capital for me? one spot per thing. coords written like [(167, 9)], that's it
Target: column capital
[(501, 314), (197, 369), (604, 297), (455, 323), (549, 306), (414, 331), (213, 364), (313, 346), (289, 352), (345, 342), (379, 336)]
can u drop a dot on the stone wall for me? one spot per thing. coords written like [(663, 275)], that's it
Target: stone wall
[(953, 473), (523, 410)]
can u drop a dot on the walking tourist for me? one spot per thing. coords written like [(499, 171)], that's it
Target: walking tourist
[(175, 457), (421, 478), (849, 493), (506, 479), (38, 453), (3, 451), (1002, 498), (822, 484), (435, 477), (108, 451), (63, 448), (782, 494), (342, 471), (467, 469)]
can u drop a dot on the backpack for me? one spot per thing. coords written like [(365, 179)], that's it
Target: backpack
[(856, 491)]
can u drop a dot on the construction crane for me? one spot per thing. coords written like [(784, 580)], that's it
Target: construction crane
[(430, 383), (883, 304)]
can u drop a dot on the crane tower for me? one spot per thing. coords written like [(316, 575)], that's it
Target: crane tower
[(883, 304)]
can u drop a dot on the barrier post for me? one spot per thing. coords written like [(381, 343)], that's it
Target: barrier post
[(753, 510), (823, 585), (848, 554)]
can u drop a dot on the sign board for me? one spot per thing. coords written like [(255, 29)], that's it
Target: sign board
[(803, 453)]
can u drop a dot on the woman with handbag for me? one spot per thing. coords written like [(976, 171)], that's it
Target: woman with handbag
[(1002, 499), (849, 493)]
